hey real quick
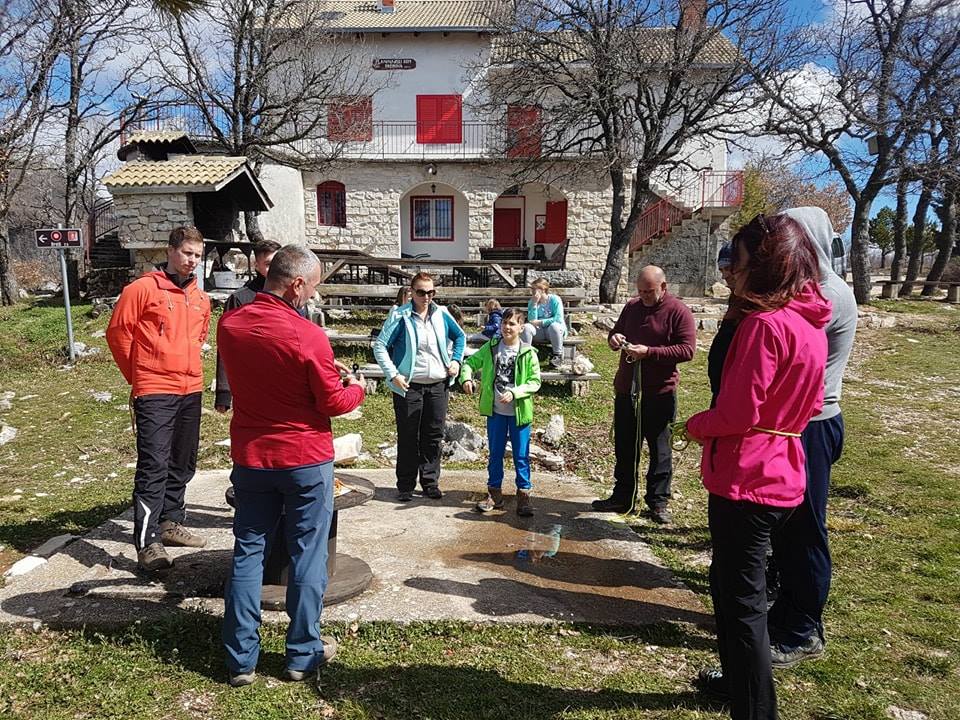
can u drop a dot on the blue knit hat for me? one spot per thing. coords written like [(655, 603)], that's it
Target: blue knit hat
[(725, 257)]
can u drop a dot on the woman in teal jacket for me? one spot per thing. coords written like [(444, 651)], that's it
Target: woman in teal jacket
[(545, 320), (509, 377)]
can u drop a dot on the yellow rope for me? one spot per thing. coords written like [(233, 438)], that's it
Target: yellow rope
[(781, 433)]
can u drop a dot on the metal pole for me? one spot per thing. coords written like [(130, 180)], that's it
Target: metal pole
[(66, 303)]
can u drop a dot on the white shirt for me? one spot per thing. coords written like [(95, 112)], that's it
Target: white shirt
[(428, 364)]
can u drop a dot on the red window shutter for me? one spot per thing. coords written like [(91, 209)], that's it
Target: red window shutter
[(439, 119), (523, 131), (351, 121), (556, 231)]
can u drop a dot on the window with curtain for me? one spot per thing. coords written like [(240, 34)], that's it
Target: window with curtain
[(431, 218), (332, 204)]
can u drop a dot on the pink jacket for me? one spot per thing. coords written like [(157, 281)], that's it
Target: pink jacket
[(772, 379)]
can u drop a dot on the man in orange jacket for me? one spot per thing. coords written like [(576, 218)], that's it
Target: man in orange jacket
[(156, 332)]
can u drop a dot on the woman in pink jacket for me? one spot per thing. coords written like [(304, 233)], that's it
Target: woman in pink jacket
[(753, 462)]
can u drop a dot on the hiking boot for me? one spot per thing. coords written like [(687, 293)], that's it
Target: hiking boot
[(781, 658), (556, 361), (241, 679), (710, 681), (404, 496), (329, 653), (660, 514), (433, 492), (524, 508), (154, 558), (493, 501), (610, 504), (173, 534)]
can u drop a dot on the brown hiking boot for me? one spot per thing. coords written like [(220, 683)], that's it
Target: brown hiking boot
[(524, 508), (493, 501), (173, 534), (154, 558)]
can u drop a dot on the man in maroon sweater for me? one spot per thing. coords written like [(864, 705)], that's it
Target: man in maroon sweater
[(285, 390), (654, 332)]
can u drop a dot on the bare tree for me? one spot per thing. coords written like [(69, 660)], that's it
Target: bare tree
[(29, 35), (629, 89), (262, 74), (877, 62)]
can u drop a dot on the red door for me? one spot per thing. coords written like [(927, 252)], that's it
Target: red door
[(556, 231), (506, 227)]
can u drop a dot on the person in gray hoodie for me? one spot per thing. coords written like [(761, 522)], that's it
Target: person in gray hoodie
[(801, 548)]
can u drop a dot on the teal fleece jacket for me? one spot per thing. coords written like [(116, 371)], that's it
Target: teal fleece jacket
[(526, 379)]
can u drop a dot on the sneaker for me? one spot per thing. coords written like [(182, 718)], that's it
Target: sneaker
[(329, 653), (404, 496), (154, 558), (556, 361), (173, 534), (524, 508), (781, 658), (660, 514), (241, 679), (610, 504), (493, 501), (433, 492), (710, 681)]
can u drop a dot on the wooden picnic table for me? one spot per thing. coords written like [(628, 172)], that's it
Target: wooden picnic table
[(400, 267), (448, 294)]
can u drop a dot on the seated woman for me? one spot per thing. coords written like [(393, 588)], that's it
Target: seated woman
[(753, 461), (545, 320)]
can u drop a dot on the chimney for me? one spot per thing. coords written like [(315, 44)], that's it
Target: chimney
[(693, 14), (386, 6)]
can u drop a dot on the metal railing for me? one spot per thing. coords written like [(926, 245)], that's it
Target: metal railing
[(708, 190)]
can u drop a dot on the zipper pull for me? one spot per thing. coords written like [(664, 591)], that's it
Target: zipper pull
[(161, 328)]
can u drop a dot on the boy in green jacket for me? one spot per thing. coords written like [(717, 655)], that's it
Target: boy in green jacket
[(509, 376)]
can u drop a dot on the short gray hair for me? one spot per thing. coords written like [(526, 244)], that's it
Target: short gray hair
[(290, 262)]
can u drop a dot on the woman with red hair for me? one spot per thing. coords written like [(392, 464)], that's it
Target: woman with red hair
[(753, 461)]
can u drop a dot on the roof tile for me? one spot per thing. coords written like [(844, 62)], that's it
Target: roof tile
[(191, 170)]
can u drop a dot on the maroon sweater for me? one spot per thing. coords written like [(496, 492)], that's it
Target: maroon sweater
[(669, 330)]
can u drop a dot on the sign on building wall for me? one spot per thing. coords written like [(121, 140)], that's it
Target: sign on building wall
[(394, 63)]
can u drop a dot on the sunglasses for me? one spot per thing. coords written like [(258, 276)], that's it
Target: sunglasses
[(763, 223), (424, 293)]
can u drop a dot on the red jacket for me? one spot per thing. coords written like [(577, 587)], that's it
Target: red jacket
[(156, 332), (285, 386)]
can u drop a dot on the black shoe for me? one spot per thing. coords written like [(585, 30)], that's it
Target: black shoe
[(404, 496), (660, 514), (433, 492), (710, 681), (781, 658), (611, 504)]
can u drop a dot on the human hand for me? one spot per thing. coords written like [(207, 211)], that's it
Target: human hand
[(401, 382), (617, 341), (505, 397), (222, 408), (341, 368), (536, 323), (352, 379), (453, 369), (468, 387), (637, 352)]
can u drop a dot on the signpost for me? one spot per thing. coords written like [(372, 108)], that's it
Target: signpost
[(394, 64), (61, 239)]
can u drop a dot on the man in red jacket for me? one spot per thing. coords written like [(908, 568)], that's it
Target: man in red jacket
[(155, 334), (285, 390), (654, 332)]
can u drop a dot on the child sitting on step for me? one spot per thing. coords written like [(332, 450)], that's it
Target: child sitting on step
[(491, 328), (509, 377)]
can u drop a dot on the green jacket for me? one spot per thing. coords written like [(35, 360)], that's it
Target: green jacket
[(526, 378)]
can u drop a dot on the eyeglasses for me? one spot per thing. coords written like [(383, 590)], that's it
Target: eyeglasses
[(424, 293)]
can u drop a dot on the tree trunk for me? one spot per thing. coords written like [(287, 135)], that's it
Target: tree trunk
[(70, 141), (859, 242), (9, 289), (899, 228), (619, 238), (915, 261), (253, 227), (883, 259), (947, 213)]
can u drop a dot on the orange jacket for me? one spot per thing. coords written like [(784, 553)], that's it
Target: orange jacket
[(156, 332)]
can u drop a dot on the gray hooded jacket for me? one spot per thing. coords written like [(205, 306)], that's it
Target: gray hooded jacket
[(843, 324)]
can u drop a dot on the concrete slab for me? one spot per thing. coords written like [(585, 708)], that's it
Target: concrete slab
[(431, 560)]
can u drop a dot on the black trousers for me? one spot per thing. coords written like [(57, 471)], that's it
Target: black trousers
[(740, 533), (421, 416), (656, 414), (168, 433)]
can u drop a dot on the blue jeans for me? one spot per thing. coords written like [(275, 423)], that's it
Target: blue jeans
[(305, 496), (801, 547), (498, 428)]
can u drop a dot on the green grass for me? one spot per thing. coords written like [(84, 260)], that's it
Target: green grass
[(893, 622)]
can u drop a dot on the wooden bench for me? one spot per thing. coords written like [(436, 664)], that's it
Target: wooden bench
[(579, 384), (446, 295), (890, 289), (475, 340)]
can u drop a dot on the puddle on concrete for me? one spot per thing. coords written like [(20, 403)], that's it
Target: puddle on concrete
[(540, 545)]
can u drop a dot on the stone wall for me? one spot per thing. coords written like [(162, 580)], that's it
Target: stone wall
[(374, 192), (688, 256), (146, 220)]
